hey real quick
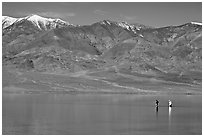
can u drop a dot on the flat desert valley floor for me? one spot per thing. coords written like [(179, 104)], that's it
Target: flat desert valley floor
[(102, 102)]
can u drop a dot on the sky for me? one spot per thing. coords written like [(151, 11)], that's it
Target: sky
[(155, 14)]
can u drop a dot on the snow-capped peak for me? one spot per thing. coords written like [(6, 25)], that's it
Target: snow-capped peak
[(34, 17), (127, 26), (123, 24), (7, 17), (37, 20), (7, 21), (59, 20), (197, 23), (40, 22), (105, 22)]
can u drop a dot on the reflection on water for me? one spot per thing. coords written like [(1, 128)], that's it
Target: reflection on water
[(169, 113), (170, 119), (99, 114), (157, 110)]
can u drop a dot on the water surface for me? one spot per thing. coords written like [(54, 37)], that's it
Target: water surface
[(100, 114)]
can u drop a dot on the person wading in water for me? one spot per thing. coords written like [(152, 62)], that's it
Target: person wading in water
[(170, 103), (157, 103)]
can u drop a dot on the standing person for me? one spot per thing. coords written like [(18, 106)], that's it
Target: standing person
[(157, 103), (170, 103)]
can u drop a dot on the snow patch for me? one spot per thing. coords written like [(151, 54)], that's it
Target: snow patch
[(40, 22), (141, 35), (127, 26), (56, 38), (105, 22), (7, 21), (197, 23)]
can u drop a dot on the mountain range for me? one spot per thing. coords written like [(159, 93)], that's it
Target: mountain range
[(35, 43)]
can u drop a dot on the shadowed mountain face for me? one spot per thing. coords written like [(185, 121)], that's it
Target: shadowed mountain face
[(170, 53)]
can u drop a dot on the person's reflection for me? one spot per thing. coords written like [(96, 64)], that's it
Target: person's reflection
[(170, 119), (156, 111), (170, 114)]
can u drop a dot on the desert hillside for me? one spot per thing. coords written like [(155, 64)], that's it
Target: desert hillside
[(115, 54)]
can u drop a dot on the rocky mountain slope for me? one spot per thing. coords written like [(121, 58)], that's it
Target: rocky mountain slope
[(51, 45)]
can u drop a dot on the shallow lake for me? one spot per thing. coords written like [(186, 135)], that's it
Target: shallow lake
[(100, 114)]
